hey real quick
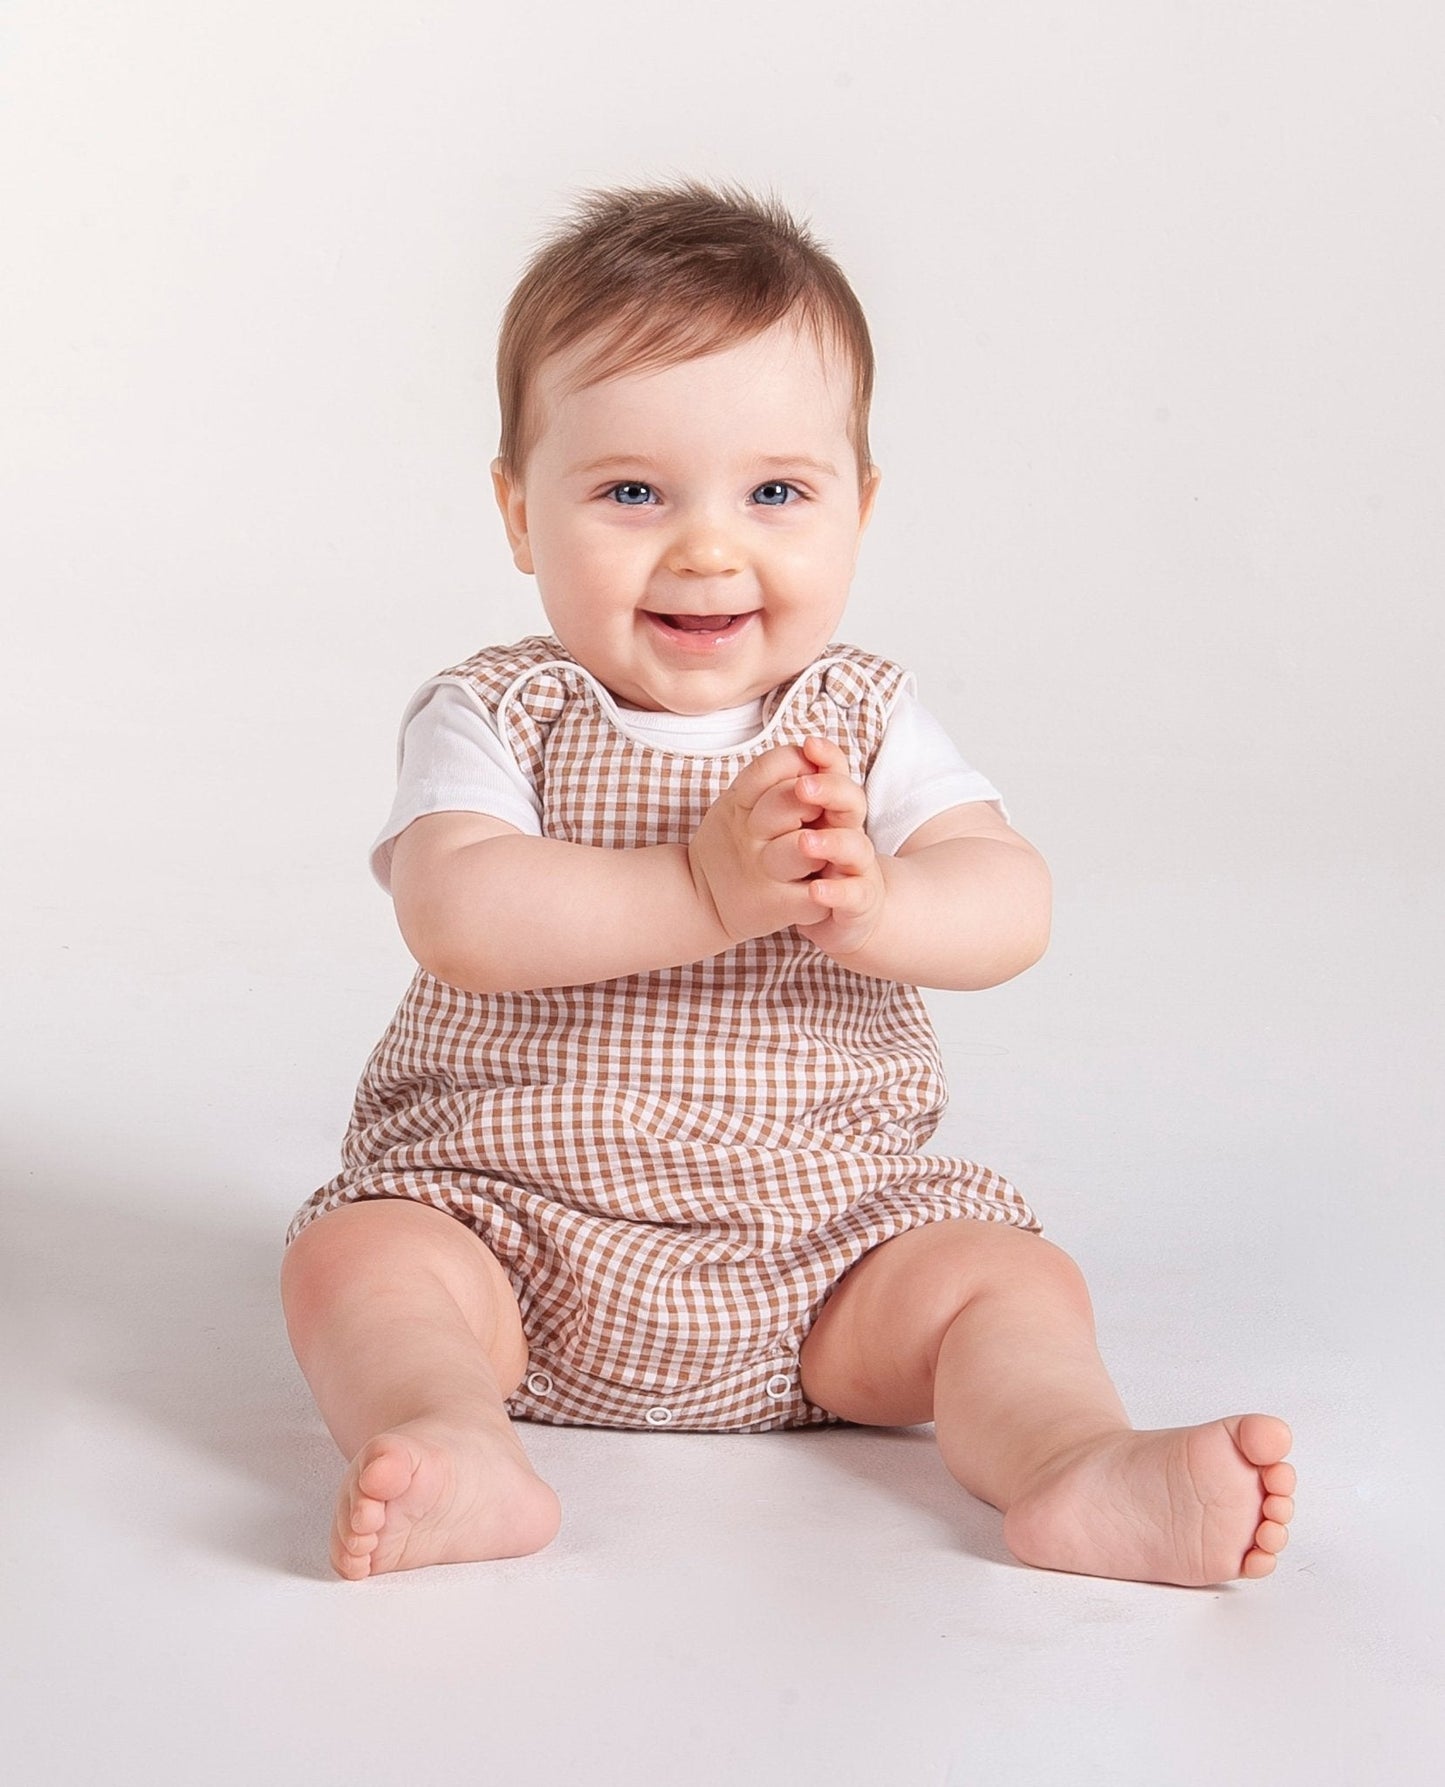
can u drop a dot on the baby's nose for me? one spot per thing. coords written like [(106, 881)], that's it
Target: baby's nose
[(704, 546)]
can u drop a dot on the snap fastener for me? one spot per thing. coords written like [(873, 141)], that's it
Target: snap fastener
[(658, 1417), (778, 1386), (539, 1383)]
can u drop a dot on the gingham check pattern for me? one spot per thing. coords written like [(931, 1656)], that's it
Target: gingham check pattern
[(675, 1168)]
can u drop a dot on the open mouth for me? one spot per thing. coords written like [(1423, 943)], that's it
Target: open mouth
[(700, 625)]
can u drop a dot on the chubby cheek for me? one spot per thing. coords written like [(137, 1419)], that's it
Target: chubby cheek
[(607, 562), (813, 600), (584, 578), (817, 571)]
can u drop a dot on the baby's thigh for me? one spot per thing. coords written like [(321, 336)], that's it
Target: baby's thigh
[(870, 1356)]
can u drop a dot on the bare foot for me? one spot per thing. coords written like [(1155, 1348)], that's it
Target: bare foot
[(429, 1493), (1188, 1505)]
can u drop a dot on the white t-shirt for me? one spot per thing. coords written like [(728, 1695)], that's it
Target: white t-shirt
[(451, 759)]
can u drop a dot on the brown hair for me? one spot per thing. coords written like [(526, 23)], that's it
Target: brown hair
[(662, 274)]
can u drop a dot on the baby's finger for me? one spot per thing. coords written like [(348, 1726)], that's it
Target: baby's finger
[(783, 763), (823, 753), (789, 858), (781, 810), (843, 895), (839, 797), (843, 852)]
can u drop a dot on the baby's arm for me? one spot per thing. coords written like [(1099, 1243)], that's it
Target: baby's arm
[(963, 904), (486, 908)]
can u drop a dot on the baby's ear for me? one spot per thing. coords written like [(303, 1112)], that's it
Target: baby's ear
[(512, 501), (867, 492)]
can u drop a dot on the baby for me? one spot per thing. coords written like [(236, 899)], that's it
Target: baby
[(644, 1145)]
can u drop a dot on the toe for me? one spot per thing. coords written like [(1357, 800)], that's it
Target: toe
[(365, 1515), (1278, 1507), (1263, 1439), (1257, 1564), (1278, 1479), (350, 1565), (387, 1472), (1271, 1536)]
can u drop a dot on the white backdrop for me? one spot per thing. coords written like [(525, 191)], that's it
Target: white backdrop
[(1158, 293), (1159, 298)]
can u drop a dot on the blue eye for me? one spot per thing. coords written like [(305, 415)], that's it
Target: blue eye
[(773, 496), (630, 495)]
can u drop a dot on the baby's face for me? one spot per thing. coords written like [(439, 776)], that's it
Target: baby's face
[(693, 530)]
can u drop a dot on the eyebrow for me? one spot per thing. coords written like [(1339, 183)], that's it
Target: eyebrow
[(638, 460), (642, 462)]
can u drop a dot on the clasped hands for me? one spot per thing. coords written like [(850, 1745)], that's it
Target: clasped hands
[(785, 845)]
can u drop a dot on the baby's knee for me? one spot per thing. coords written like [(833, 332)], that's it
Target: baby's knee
[(314, 1258), (1061, 1273), (336, 1248), (948, 1265), (1004, 1259)]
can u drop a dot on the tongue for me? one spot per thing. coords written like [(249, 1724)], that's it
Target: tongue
[(699, 623)]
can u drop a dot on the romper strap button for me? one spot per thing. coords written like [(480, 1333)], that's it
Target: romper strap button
[(779, 1387), (539, 1383), (658, 1417)]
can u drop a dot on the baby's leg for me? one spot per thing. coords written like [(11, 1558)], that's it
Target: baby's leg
[(408, 1333), (987, 1330)]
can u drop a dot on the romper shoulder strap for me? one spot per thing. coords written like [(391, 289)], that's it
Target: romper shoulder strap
[(857, 687), (491, 671), (853, 678), (525, 688)]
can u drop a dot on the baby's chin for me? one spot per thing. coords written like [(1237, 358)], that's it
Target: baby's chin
[(703, 690), (693, 702), (683, 709)]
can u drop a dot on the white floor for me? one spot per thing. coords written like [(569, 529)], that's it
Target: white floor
[(1232, 1145)]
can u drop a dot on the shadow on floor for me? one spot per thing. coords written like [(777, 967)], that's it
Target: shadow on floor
[(169, 1312), (904, 1465)]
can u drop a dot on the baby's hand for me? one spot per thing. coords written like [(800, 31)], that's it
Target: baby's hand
[(848, 882), (751, 856)]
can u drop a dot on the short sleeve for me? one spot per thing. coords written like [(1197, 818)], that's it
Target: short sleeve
[(451, 759), (918, 774)]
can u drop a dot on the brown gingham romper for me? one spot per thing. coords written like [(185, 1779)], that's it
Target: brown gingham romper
[(674, 1168)]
